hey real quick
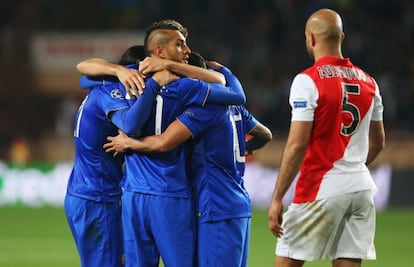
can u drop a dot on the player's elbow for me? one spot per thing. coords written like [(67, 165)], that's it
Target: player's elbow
[(376, 136), (381, 145), (242, 99), (297, 148), (81, 67), (267, 136), (377, 147), (263, 132), (239, 100)]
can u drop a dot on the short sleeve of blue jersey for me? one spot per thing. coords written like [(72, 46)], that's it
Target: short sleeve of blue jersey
[(249, 120), (111, 98)]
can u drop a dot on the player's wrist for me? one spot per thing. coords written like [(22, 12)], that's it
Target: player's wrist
[(116, 70)]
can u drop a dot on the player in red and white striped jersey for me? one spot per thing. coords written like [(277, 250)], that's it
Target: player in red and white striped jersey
[(336, 131)]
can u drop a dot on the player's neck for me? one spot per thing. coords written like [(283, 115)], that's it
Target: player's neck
[(328, 52)]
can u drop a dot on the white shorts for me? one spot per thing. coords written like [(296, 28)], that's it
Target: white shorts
[(336, 227)]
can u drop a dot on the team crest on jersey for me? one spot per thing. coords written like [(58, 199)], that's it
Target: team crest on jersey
[(116, 93), (300, 104)]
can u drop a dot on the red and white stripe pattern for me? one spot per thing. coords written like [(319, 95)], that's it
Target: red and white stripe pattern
[(341, 100)]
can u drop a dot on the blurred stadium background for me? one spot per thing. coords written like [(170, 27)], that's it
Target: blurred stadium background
[(262, 41)]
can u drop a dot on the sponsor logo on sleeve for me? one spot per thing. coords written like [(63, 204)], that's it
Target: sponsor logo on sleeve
[(300, 104)]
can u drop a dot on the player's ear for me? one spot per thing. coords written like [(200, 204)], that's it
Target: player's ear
[(312, 39), (342, 37), (159, 51)]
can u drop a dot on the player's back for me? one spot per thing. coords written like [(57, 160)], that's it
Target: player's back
[(344, 107), (164, 173), (220, 193), (96, 174), (343, 98)]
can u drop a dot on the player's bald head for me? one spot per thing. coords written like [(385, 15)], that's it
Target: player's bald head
[(325, 24), (157, 37)]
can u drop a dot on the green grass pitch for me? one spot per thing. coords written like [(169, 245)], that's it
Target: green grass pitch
[(40, 237)]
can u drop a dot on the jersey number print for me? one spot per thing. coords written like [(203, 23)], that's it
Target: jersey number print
[(78, 119), (350, 108), (158, 114), (237, 155)]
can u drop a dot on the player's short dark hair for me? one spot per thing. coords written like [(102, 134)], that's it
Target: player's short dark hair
[(132, 55), (166, 24), (196, 59)]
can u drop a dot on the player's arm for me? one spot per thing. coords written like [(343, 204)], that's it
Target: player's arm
[(376, 128), (87, 82), (292, 157), (151, 64), (261, 135), (376, 140), (174, 135), (132, 119), (304, 92), (232, 94), (130, 78)]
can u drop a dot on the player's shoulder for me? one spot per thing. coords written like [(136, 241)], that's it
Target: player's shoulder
[(311, 71), (304, 79), (365, 73), (115, 91)]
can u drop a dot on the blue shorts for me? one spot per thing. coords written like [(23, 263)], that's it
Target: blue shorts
[(97, 230), (157, 226), (224, 243)]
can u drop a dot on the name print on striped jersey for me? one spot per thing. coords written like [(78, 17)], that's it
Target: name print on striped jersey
[(332, 71)]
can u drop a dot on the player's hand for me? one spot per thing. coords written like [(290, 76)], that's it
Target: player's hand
[(152, 64), (275, 217), (214, 64), (117, 144), (131, 79), (164, 77)]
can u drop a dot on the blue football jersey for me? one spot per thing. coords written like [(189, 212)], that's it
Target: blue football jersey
[(164, 174), (217, 152), (96, 174)]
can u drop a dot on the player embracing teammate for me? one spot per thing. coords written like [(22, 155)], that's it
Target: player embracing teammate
[(161, 186)]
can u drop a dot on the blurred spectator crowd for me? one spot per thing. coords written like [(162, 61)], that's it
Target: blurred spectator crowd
[(262, 41)]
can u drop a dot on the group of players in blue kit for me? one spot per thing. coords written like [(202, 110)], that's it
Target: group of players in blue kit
[(179, 195)]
